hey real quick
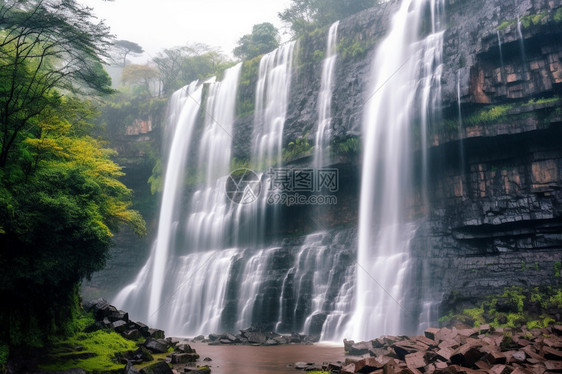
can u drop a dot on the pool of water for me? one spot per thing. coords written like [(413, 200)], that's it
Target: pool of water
[(266, 360)]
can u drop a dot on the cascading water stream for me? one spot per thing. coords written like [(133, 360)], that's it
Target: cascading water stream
[(172, 187), (460, 133), (325, 98), (163, 275), (406, 75), (522, 45), (501, 53)]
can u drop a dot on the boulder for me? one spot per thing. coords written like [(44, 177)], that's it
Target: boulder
[(119, 315), (185, 348), (552, 354), (159, 367), (416, 360), (103, 311), (184, 358), (359, 349), (156, 333), (94, 305), (132, 334), (431, 333), (495, 358), (255, 337), (130, 369), (143, 354), (466, 355), (367, 365), (119, 326), (155, 346)]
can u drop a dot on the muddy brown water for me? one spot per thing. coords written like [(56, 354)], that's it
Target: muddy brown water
[(266, 360)]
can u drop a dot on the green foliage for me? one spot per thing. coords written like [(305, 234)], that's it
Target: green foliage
[(304, 16), (245, 100), (263, 39), (533, 19), (505, 24), (297, 149), (512, 309), (156, 180), (183, 65), (60, 202), (4, 353), (348, 147), (122, 48), (237, 164), (557, 268), (558, 15), (352, 48), (142, 75)]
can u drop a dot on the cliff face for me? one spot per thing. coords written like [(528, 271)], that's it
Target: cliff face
[(494, 217), (496, 173)]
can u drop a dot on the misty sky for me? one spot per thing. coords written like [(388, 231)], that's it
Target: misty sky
[(159, 24)]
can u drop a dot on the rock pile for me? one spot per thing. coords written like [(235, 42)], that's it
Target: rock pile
[(109, 317), (253, 336), (450, 351)]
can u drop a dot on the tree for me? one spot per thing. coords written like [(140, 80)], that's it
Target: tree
[(303, 16), (60, 197), (124, 48), (182, 65), (264, 38), (45, 45), (141, 75)]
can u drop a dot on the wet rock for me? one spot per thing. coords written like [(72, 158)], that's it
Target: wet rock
[(155, 346), (132, 334), (159, 367), (359, 349), (183, 358), (130, 369), (367, 365), (119, 326), (185, 348), (156, 333)]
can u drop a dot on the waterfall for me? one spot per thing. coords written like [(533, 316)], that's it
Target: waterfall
[(501, 54), (272, 100), (165, 277), (406, 75), (325, 98), (188, 107), (271, 103), (460, 133), (522, 45)]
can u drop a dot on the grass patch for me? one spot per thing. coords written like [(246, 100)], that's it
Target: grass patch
[(101, 345)]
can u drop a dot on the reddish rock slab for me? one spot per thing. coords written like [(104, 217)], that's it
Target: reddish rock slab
[(416, 360)]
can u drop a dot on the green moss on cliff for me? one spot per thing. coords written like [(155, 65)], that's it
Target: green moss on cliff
[(515, 308)]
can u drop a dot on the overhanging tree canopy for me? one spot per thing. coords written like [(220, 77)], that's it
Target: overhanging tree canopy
[(45, 45)]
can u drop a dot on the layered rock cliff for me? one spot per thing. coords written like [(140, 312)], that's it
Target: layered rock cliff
[(494, 217)]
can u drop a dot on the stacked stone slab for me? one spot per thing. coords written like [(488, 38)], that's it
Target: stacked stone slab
[(450, 351)]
